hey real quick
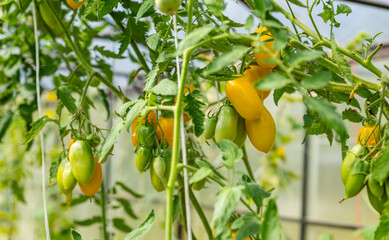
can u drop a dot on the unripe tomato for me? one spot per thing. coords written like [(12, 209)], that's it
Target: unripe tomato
[(59, 176), (356, 179), (209, 128), (82, 161), (143, 158), (49, 18), (254, 77), (168, 6), (375, 187), (155, 180), (199, 185), (68, 180), (227, 124), (365, 131), (260, 54), (376, 203), (146, 136), (93, 186), (245, 99), (165, 129), (151, 117), (74, 4), (241, 133), (94, 140), (159, 166), (350, 158), (262, 131)]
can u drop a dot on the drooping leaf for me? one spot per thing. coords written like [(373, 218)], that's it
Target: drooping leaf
[(127, 207), (343, 8), (382, 232), (5, 122), (88, 222), (89, 6), (165, 87), (146, 6), (106, 6), (53, 171), (36, 127), (75, 235), (200, 174), (297, 2), (107, 53), (111, 139), (134, 111), (142, 229), (121, 225), (248, 225), (230, 153), (64, 94), (129, 190), (195, 109), (273, 81), (305, 55), (352, 115), (271, 229), (317, 80), (194, 37), (380, 170), (225, 59)]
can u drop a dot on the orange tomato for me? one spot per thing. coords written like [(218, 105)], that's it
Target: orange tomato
[(71, 142), (365, 131), (254, 77), (262, 131), (75, 5), (166, 126), (93, 186), (260, 54), (151, 117), (245, 99)]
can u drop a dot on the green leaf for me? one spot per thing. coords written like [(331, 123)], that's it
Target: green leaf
[(150, 77), (352, 115), (125, 39), (382, 232), (326, 236), (271, 229), (194, 37), (134, 111), (304, 55), (127, 207), (248, 225), (165, 87), (129, 190), (89, 6), (249, 23), (107, 53), (215, 6), (277, 94), (6, 121), (64, 94), (200, 174), (111, 139), (142, 229), (5, 2), (18, 191), (152, 41), (146, 6), (226, 200), (53, 171), (119, 224), (367, 233), (225, 59), (280, 40), (343, 9), (230, 153), (273, 81), (380, 170), (342, 63), (195, 109), (297, 2), (106, 6), (256, 192), (75, 235), (317, 80), (88, 222), (36, 127)]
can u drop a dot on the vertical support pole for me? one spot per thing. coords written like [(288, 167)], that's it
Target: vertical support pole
[(304, 196)]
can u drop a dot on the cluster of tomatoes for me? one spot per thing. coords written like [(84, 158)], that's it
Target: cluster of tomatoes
[(82, 167), (247, 115), (357, 167)]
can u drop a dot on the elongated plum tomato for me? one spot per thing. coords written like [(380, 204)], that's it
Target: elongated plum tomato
[(364, 133), (82, 161), (74, 4), (49, 17), (254, 77), (209, 128), (350, 158), (227, 124), (165, 127), (157, 181), (356, 179), (59, 176), (245, 99), (241, 133), (68, 180), (151, 117), (262, 131), (168, 6), (93, 186), (260, 54), (143, 158)]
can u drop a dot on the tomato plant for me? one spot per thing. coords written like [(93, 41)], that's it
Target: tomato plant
[(188, 60)]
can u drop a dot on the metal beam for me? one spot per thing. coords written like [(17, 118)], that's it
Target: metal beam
[(373, 3)]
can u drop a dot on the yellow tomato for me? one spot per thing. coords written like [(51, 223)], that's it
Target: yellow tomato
[(74, 5), (165, 127), (365, 131), (151, 117), (260, 54), (245, 99), (254, 77), (262, 131), (93, 186)]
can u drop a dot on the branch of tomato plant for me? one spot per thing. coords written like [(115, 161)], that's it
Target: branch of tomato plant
[(327, 43), (201, 214), (294, 25), (309, 9), (134, 46), (81, 58), (247, 163)]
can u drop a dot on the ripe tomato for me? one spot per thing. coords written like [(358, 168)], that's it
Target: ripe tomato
[(165, 129), (157, 181), (365, 131), (168, 6), (241, 133), (253, 77), (260, 54), (74, 4), (245, 99), (262, 131), (82, 161), (227, 124), (151, 117), (143, 158), (93, 186)]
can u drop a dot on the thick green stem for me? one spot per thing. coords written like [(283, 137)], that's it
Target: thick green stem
[(103, 213), (201, 214), (247, 164)]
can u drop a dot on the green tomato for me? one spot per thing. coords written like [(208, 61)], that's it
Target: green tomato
[(375, 187), (146, 137), (356, 179), (94, 140), (82, 161), (157, 181), (241, 133), (209, 128), (350, 158), (143, 158), (159, 166), (68, 180), (168, 6), (227, 124), (376, 203), (49, 18), (59, 176), (199, 185)]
